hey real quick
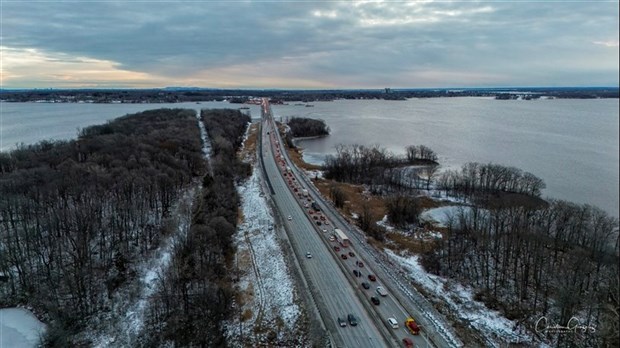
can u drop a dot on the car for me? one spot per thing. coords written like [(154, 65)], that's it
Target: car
[(327, 222), (372, 278), (375, 301), (315, 217), (359, 264), (337, 248), (341, 322), (322, 217), (306, 205), (310, 211), (352, 254), (295, 190), (381, 291), (365, 285), (357, 273), (332, 239), (290, 218), (324, 230), (352, 320), (343, 256), (308, 255), (408, 342), (393, 323), (318, 223)]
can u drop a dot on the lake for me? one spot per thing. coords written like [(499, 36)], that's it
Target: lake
[(572, 144)]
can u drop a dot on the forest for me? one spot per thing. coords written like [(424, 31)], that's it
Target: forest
[(557, 262), (78, 217), (195, 295), (75, 215)]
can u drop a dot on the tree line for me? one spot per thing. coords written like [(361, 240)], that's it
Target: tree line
[(374, 165), (195, 296), (478, 178), (74, 215), (558, 262)]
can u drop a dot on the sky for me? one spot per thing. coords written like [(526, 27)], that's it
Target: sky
[(308, 44)]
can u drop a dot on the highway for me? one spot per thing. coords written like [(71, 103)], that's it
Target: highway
[(400, 303), (329, 285)]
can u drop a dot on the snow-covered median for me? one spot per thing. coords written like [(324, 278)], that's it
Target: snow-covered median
[(497, 330), (267, 309)]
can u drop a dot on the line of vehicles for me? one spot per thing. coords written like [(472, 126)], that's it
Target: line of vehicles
[(340, 242)]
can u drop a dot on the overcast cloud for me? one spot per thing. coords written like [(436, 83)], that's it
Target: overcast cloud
[(289, 44)]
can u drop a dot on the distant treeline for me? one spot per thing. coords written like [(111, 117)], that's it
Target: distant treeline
[(196, 293), (75, 216), (558, 262), (171, 95)]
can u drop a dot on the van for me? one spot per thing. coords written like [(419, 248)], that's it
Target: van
[(381, 291), (393, 323)]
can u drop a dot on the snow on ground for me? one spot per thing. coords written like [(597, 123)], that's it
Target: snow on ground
[(267, 288), (384, 223), (128, 314), (496, 329), (440, 216), (19, 328)]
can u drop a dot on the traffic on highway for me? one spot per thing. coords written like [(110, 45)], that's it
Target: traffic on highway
[(314, 223)]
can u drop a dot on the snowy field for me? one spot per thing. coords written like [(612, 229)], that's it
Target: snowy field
[(267, 308), (496, 329), (19, 328)]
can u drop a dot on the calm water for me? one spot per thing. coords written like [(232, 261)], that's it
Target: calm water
[(571, 144)]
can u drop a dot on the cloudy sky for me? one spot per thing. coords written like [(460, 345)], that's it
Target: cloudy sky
[(308, 44)]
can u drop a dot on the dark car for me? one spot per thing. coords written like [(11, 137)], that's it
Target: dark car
[(341, 322), (375, 301), (318, 223), (372, 278), (408, 342), (352, 319), (357, 273), (365, 285), (343, 256), (359, 264), (352, 254), (337, 248)]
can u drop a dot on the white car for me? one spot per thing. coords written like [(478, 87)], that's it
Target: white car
[(308, 255), (324, 230), (290, 218)]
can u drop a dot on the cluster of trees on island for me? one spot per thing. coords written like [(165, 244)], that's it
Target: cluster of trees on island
[(78, 217)]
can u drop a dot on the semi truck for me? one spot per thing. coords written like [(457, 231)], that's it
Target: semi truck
[(341, 237), (412, 326)]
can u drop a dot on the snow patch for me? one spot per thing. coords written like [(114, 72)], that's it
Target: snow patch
[(384, 223), (495, 327), (441, 216), (19, 328), (273, 301)]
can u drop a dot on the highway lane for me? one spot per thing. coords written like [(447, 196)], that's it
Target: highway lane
[(321, 270), (391, 306)]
